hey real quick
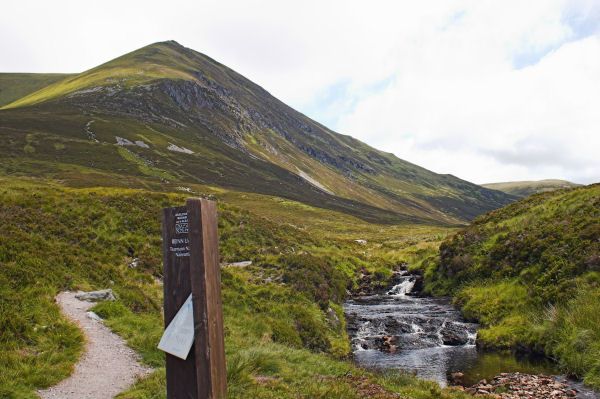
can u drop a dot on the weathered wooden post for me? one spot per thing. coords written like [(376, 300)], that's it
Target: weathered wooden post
[(191, 266)]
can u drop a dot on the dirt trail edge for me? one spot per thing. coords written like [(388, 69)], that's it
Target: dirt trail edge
[(108, 365)]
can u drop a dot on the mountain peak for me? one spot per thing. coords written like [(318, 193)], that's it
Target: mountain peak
[(225, 130), (167, 47), (161, 60)]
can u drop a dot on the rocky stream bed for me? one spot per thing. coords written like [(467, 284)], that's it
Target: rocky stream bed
[(397, 328)]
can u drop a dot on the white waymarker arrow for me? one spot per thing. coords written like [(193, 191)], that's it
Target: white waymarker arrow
[(178, 337)]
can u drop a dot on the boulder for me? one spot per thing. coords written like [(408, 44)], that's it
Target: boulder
[(454, 334), (457, 378), (96, 296), (418, 287), (387, 343)]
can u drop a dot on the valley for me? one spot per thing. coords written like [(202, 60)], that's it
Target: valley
[(285, 327), (346, 271)]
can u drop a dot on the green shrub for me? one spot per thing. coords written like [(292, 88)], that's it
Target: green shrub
[(311, 330), (111, 309), (285, 333), (316, 277), (489, 303)]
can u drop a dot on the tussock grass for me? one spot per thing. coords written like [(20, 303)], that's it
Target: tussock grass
[(573, 336)]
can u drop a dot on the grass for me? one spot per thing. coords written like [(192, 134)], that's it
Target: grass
[(530, 273), (573, 335), (17, 85), (284, 338)]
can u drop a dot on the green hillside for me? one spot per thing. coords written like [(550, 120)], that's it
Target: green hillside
[(14, 86), (530, 272), (285, 332), (524, 189), (167, 115)]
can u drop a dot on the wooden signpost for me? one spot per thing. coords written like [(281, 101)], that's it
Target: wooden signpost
[(191, 266)]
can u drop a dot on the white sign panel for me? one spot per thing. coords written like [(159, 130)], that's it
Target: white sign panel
[(178, 337)]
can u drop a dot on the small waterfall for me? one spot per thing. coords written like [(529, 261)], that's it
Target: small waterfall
[(472, 337), (405, 286), (365, 333), (423, 335), (396, 329), (415, 328), (438, 333)]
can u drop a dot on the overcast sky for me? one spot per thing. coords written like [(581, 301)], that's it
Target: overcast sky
[(485, 90)]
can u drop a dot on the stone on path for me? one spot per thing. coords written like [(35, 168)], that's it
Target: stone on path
[(96, 296)]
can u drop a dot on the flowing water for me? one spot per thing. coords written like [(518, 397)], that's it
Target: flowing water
[(426, 336)]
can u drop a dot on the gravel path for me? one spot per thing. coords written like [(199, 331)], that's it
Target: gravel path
[(108, 365)]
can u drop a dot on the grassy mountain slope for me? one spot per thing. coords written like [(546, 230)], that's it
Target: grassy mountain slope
[(233, 134), (524, 189), (285, 334), (14, 86), (530, 272)]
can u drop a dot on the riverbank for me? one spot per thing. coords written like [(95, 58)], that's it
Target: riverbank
[(529, 273)]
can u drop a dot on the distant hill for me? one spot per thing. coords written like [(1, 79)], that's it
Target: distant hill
[(16, 85), (524, 189), (530, 273), (166, 114)]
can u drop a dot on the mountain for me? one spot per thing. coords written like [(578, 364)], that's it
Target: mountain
[(166, 116), (524, 189), (530, 274), (16, 85)]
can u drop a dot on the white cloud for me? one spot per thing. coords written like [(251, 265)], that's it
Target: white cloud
[(471, 113), (485, 90)]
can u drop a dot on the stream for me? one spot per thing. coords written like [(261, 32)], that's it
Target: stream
[(428, 337)]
